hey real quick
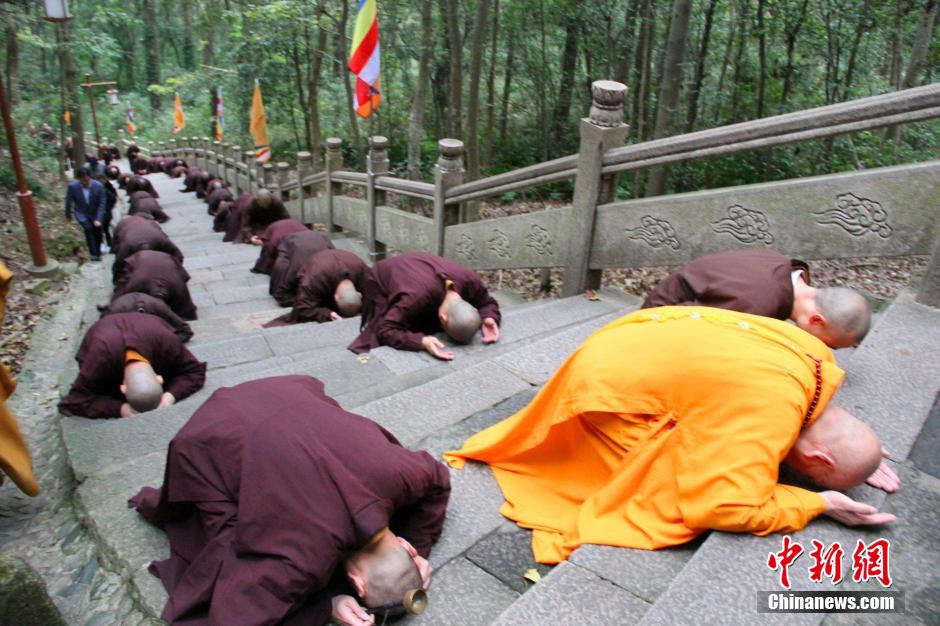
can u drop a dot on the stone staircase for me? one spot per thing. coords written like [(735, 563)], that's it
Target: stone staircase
[(434, 405)]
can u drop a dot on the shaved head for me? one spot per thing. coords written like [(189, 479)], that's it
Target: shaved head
[(348, 300), (263, 198), (142, 388), (460, 319), (837, 451), (847, 313)]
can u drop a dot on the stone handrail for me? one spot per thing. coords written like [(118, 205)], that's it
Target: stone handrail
[(596, 232)]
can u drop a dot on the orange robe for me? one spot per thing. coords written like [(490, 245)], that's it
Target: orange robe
[(663, 424), (14, 455)]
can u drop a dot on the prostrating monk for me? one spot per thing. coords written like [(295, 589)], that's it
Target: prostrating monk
[(191, 179), (15, 460), (145, 303), (292, 254), (211, 184), (139, 183), (202, 183), (131, 363), (141, 203), (271, 239), (159, 275), (170, 164), (331, 284), (280, 505), (130, 222), (177, 172), (141, 235), (409, 297), (764, 282), (251, 214), (220, 219), (216, 197), (132, 152), (140, 165), (672, 421)]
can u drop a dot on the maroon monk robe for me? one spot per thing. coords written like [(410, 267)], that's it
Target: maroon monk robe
[(170, 164), (161, 276), (193, 174), (271, 239), (292, 253), (267, 487), (220, 219), (217, 196), (403, 295), (177, 172), (140, 166), (96, 391), (141, 236), (139, 183), (132, 152), (749, 281), (148, 205), (212, 185), (247, 217), (129, 222), (315, 299), (233, 223), (144, 303)]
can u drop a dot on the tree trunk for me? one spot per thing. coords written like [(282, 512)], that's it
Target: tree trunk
[(629, 35), (669, 88), (921, 45), (189, 51), (153, 58), (739, 61), (455, 91), (761, 59), (543, 106), (792, 32), (13, 56), (208, 35), (473, 93), (70, 88), (313, 91), (696, 87), (491, 90), (725, 61), (864, 25), (569, 62), (641, 93), (416, 117), (507, 85)]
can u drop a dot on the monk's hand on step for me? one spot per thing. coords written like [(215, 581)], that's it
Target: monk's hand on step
[(334, 316), (435, 348), (126, 410), (490, 330), (844, 509), (346, 610), (166, 400), (884, 477)]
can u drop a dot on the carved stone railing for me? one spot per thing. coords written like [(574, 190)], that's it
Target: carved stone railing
[(886, 211)]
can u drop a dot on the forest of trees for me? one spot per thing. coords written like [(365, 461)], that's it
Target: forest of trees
[(508, 77)]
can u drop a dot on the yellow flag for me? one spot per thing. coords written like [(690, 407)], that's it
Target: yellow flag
[(179, 120), (259, 127), (67, 117)]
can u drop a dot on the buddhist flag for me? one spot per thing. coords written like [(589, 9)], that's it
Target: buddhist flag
[(259, 127), (67, 118), (131, 120), (179, 120), (219, 117), (365, 59)]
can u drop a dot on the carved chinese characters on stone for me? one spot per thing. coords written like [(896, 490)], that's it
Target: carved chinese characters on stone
[(745, 225), (539, 240), (857, 216), (654, 231), (466, 248), (499, 244)]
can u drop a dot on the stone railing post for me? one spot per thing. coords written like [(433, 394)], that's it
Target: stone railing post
[(304, 169), (219, 156), (602, 130), (151, 149), (376, 165), (929, 292), (334, 163), (282, 169), (248, 156), (232, 157), (269, 175), (206, 149), (121, 141), (447, 173)]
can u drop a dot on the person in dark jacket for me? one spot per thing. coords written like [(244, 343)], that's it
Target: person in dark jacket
[(86, 198), (111, 198)]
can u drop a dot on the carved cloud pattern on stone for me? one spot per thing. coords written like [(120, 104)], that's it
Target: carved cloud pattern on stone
[(540, 240), (466, 248), (746, 225), (655, 232), (857, 216), (499, 244)]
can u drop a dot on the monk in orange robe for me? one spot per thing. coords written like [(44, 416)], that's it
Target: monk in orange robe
[(15, 461), (673, 421)]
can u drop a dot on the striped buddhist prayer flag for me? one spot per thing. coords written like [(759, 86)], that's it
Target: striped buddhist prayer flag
[(131, 120), (365, 59), (179, 120), (259, 127), (219, 117)]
